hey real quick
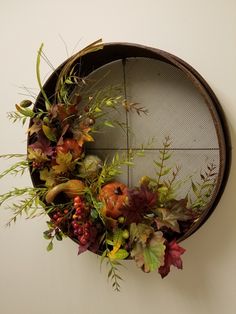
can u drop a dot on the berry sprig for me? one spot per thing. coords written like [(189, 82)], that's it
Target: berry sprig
[(82, 232), (81, 226), (60, 216), (37, 165), (80, 210)]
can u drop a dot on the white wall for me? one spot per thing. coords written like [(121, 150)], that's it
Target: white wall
[(33, 281)]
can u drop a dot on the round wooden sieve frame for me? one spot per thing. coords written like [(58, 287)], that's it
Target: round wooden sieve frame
[(121, 51)]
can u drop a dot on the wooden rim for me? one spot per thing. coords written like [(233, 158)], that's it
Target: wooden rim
[(118, 51)]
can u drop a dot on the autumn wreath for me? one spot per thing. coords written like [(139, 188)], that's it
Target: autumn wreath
[(80, 191)]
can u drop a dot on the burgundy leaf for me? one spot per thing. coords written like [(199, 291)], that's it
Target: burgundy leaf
[(172, 257), (83, 248), (140, 202), (43, 144), (64, 130), (62, 112)]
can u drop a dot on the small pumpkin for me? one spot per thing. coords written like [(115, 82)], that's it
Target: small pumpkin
[(114, 196)]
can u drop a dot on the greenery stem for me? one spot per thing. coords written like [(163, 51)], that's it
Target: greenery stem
[(48, 104)]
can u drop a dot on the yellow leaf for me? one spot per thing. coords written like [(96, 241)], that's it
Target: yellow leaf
[(35, 127), (85, 137), (36, 155), (64, 163), (48, 176), (49, 133)]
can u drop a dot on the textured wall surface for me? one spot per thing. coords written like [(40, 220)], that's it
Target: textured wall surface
[(32, 281)]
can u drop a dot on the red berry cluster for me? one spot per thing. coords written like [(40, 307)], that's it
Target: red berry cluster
[(81, 227), (58, 216), (82, 232), (37, 165), (80, 211)]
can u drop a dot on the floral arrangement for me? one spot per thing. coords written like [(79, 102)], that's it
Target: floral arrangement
[(80, 192)]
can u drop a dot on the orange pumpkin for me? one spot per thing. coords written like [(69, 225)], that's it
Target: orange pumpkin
[(114, 196)]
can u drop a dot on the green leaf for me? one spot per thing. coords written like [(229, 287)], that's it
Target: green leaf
[(49, 133), (109, 242), (128, 163), (104, 255), (68, 81), (109, 273), (109, 103), (150, 257), (109, 124), (140, 153), (94, 213), (47, 234), (97, 110), (195, 189), (158, 164), (25, 103), (120, 254), (166, 156), (163, 189), (50, 246), (165, 171), (59, 236), (118, 237)]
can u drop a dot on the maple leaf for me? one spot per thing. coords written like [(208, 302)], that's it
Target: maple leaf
[(35, 127), (174, 212), (172, 257), (81, 134), (37, 155), (179, 207), (42, 144), (85, 137), (150, 257), (167, 219), (62, 112), (48, 176), (140, 201), (64, 163), (140, 232)]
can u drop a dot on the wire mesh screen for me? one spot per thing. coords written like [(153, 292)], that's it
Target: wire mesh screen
[(175, 110)]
